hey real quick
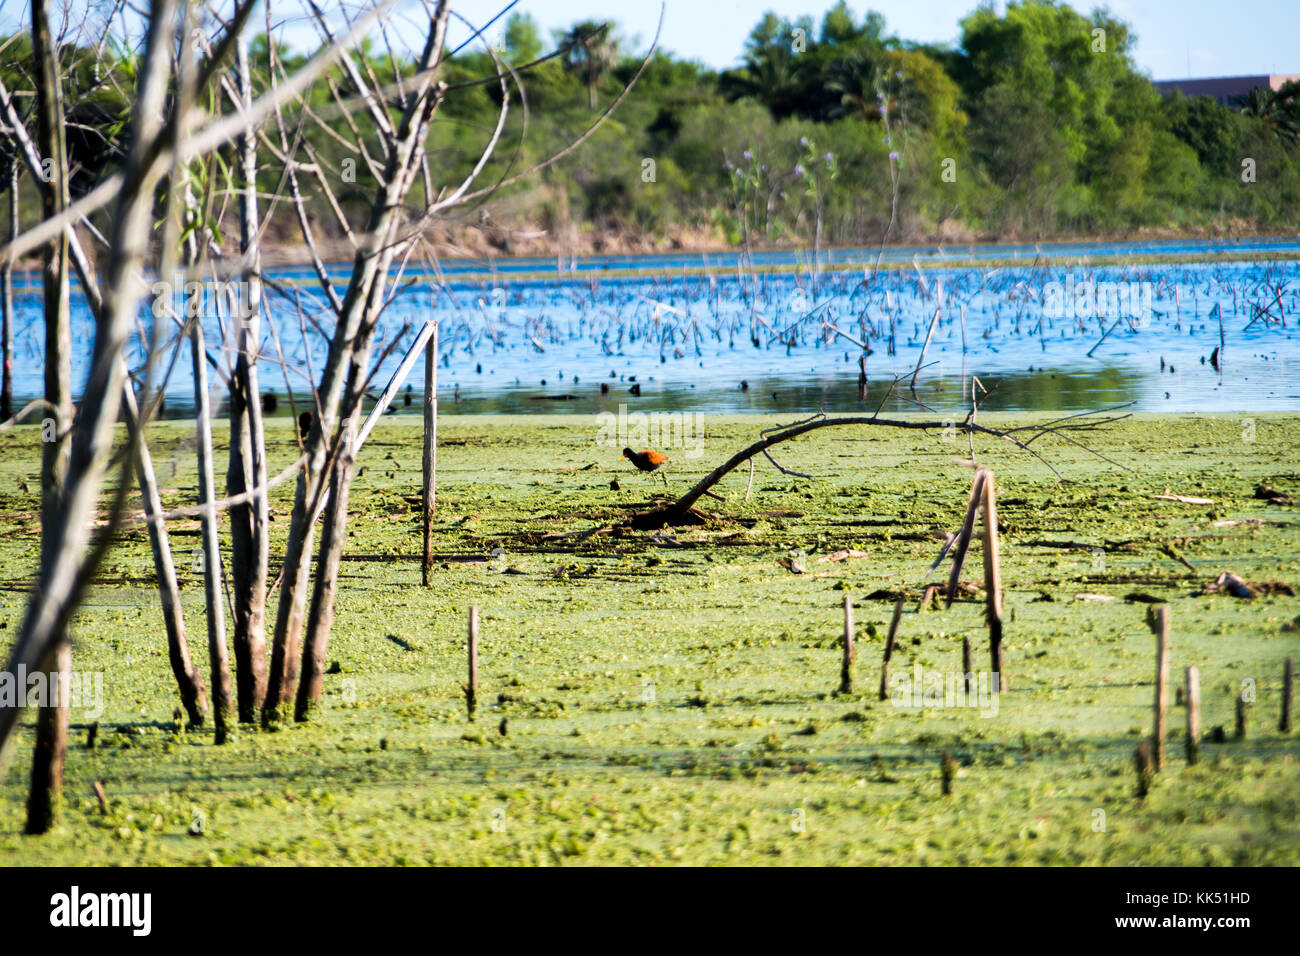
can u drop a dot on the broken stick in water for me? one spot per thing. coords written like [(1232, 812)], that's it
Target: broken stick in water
[(1161, 627), (967, 670), (993, 581), (1193, 715), (1144, 764), (947, 772), (846, 666), (962, 543), (471, 689), (1284, 722), (889, 648)]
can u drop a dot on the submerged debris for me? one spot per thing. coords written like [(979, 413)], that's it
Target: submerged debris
[(1272, 495), (1230, 583)]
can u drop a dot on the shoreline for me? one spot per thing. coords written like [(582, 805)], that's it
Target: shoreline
[(551, 259), (474, 243)]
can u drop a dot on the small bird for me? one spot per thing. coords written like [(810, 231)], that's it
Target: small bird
[(305, 420), (648, 460)]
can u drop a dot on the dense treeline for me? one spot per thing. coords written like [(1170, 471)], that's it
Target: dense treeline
[(1037, 123)]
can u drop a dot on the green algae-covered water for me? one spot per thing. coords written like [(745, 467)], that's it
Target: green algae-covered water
[(671, 697)]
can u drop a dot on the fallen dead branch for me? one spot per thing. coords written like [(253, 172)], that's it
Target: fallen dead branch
[(1185, 499), (842, 555), (1229, 583), (682, 511)]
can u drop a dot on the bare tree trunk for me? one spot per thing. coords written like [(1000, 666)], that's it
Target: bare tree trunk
[(321, 618), (282, 678), (191, 690), (7, 298), (353, 334), (68, 568), (430, 461), (334, 534), (188, 679), (65, 566), (350, 346), (51, 744), (217, 657), (333, 537), (249, 523), (52, 719)]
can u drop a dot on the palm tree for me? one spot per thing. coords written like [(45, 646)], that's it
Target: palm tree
[(771, 70), (591, 54), (854, 78), (1278, 110)]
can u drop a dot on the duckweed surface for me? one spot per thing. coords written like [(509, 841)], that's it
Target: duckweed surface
[(672, 697)]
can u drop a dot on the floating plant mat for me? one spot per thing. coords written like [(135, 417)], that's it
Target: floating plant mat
[(670, 696)]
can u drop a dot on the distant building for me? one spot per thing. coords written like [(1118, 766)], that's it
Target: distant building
[(1227, 90)]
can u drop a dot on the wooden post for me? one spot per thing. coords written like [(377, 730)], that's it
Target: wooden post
[(1144, 764), (889, 648), (993, 582), (962, 543), (430, 492), (947, 772), (846, 667), (1162, 685), (1193, 715), (1284, 723), (1241, 716), (471, 689), (967, 669), (927, 597)]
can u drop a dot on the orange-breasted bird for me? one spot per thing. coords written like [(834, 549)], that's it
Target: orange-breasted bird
[(648, 460)]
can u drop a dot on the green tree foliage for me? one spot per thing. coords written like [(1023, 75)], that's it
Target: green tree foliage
[(523, 39), (1036, 122)]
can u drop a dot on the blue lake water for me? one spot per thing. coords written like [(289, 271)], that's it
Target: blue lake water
[(1056, 333)]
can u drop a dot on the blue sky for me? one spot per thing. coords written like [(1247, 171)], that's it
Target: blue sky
[(1176, 38), (1217, 38)]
